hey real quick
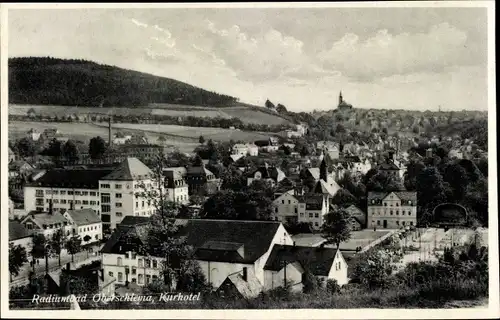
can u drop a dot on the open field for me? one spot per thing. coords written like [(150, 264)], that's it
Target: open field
[(358, 238), (217, 134), (244, 113), (86, 131)]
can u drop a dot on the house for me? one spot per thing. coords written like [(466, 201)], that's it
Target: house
[(133, 149), (202, 181), (248, 149), (316, 207), (46, 223), (270, 173), (176, 186), (122, 139), (357, 217), (326, 185), (49, 134), (110, 191), (392, 167), (355, 165), (12, 155), (86, 224), (392, 210), (33, 134), (343, 105), (288, 206), (323, 263), (19, 235), (222, 248), (455, 153), (19, 168)]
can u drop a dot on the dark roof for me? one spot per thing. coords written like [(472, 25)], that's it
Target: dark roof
[(270, 172), (45, 218), (199, 171), (389, 165), (16, 165), (133, 221), (213, 240), (405, 196), (173, 174), (318, 260), (71, 178), (84, 217), (314, 202), (129, 169), (357, 213), (18, 231)]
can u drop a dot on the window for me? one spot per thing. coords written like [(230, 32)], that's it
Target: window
[(385, 204), (289, 202), (397, 222), (409, 212), (402, 212), (378, 222), (295, 209), (310, 215), (155, 264), (282, 201), (85, 193), (120, 276), (39, 202), (55, 192), (119, 214), (411, 223), (105, 198), (106, 208), (143, 203), (397, 204), (392, 213), (105, 185), (397, 212), (276, 210), (316, 224), (92, 193), (77, 193), (404, 223), (140, 263), (140, 278), (134, 280), (316, 215), (92, 202), (118, 195), (134, 270), (56, 201), (39, 193), (119, 261), (63, 201), (63, 192), (70, 193), (118, 186), (85, 202), (147, 263), (301, 214), (118, 204), (78, 202), (110, 274), (148, 278), (137, 204)]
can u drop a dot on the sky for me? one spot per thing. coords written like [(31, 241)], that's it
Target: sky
[(391, 58)]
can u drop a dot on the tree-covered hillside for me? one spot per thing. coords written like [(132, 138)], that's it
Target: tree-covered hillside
[(37, 80)]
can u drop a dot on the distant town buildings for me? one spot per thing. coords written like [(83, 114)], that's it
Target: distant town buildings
[(392, 210)]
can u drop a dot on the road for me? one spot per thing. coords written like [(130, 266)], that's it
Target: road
[(53, 264)]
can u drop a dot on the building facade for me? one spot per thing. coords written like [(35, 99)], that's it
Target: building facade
[(392, 210)]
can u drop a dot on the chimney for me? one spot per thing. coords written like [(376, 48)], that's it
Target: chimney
[(245, 273), (109, 131)]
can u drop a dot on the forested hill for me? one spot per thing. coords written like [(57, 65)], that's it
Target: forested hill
[(38, 80)]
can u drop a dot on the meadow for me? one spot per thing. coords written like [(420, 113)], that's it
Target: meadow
[(246, 114)]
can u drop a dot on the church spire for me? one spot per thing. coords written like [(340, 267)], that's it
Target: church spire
[(340, 97), (323, 170)]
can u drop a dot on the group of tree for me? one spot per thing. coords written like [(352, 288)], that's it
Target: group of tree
[(37, 80), (58, 150)]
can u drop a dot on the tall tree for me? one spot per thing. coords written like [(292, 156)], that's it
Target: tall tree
[(17, 258), (54, 149), (201, 140), (97, 147), (25, 147), (336, 228), (457, 177), (70, 151), (74, 245), (57, 243)]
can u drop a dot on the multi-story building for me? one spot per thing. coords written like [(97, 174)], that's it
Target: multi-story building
[(221, 248), (317, 207), (271, 173), (176, 186), (248, 149), (392, 210), (46, 223), (202, 181), (112, 193), (288, 206), (86, 224)]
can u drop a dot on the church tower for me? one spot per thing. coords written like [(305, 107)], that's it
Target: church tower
[(340, 98), (323, 170)]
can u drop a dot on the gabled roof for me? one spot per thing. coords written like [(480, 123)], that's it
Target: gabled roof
[(129, 221), (130, 169), (357, 213), (199, 171), (270, 172), (71, 178), (404, 196), (255, 238), (18, 231), (16, 165), (314, 202), (323, 187), (249, 288), (318, 260), (83, 217), (45, 218), (314, 172)]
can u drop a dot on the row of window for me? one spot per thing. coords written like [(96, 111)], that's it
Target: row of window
[(39, 193), (390, 204), (64, 201), (86, 229), (397, 222), (391, 212), (316, 215), (139, 279), (142, 263)]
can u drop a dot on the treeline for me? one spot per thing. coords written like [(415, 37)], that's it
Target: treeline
[(45, 80)]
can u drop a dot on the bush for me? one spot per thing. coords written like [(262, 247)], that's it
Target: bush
[(332, 286)]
